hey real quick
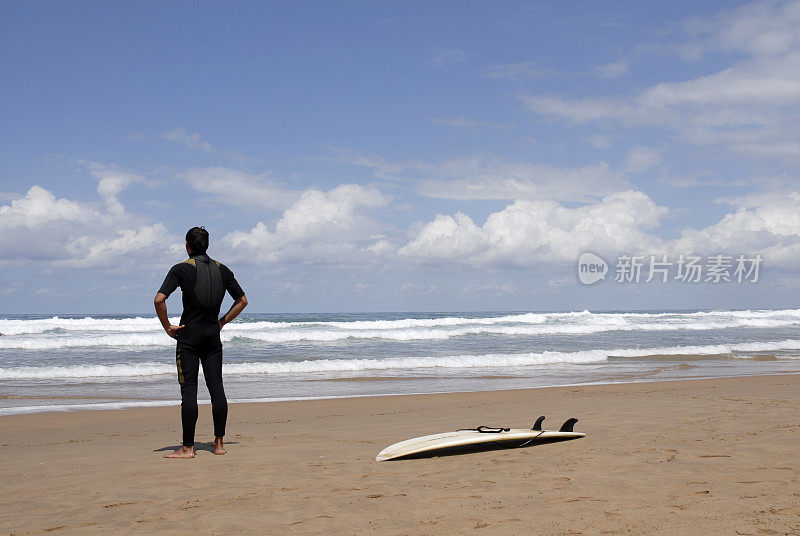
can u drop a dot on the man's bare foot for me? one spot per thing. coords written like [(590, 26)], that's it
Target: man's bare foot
[(183, 452), (218, 446)]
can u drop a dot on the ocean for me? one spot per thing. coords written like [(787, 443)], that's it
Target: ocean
[(69, 362)]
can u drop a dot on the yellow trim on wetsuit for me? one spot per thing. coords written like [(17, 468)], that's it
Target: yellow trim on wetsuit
[(194, 263), (181, 380)]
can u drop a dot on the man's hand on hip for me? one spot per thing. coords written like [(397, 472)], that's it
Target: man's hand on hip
[(172, 331)]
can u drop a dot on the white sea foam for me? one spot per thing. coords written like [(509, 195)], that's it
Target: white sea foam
[(17, 410), (122, 340), (139, 324), (86, 324), (86, 371), (493, 361), (56, 333)]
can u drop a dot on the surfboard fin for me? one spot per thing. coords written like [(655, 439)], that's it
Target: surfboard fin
[(567, 426), (538, 424)]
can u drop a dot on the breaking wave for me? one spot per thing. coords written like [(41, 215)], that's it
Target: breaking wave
[(55, 333), (493, 361)]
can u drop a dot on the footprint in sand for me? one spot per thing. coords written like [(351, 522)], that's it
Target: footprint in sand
[(114, 505)]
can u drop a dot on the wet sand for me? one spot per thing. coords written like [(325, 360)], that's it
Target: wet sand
[(686, 457)]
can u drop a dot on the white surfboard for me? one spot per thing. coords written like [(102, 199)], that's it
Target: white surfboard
[(505, 437)]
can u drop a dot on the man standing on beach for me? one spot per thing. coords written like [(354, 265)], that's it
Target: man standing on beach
[(203, 283)]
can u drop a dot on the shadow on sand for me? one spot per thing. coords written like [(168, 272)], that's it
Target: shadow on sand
[(208, 446)]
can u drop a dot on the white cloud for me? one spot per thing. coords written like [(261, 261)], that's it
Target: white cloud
[(490, 178), (530, 232), (764, 142), (380, 165), (39, 208), (492, 287), (317, 212), (577, 110), (772, 83), (239, 188), (466, 122), (756, 95), (112, 181), (93, 250), (759, 28), (486, 177), (640, 159), (526, 70), (600, 141), (766, 224), (447, 56), (447, 238), (613, 69), (41, 227), (192, 141), (321, 227)]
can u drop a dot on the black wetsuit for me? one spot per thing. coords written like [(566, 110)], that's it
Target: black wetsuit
[(203, 283)]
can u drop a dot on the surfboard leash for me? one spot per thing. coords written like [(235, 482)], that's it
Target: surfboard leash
[(484, 429)]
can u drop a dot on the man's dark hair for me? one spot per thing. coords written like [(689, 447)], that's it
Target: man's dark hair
[(197, 238)]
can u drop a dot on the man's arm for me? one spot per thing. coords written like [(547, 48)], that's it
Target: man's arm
[(161, 311), (233, 312)]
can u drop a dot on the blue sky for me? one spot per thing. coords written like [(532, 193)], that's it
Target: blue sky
[(396, 156)]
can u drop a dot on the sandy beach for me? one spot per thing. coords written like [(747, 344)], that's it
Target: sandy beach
[(715, 456)]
